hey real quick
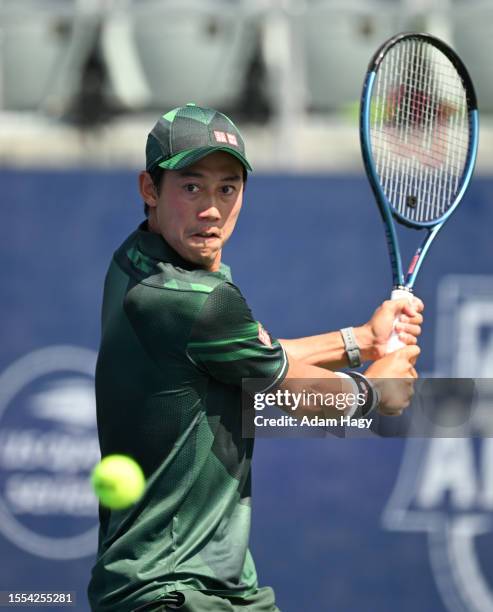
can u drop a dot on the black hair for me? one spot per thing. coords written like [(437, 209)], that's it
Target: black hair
[(157, 174)]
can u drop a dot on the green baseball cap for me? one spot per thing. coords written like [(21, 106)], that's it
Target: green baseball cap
[(188, 133)]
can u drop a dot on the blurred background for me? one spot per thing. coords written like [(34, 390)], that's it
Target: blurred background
[(346, 525)]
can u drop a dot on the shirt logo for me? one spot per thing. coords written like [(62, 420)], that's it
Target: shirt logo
[(263, 336)]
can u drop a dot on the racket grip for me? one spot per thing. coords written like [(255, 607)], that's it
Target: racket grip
[(394, 342)]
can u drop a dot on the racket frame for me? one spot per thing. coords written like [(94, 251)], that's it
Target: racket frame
[(387, 213)]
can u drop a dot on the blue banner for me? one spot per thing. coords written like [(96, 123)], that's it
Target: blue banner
[(342, 525)]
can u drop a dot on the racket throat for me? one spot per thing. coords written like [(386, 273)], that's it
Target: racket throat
[(413, 264), (395, 258)]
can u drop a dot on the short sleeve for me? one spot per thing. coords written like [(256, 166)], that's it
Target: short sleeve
[(231, 345)]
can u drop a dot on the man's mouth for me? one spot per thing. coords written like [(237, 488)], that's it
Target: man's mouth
[(206, 234)]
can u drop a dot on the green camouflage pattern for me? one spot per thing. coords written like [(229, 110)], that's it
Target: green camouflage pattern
[(176, 342)]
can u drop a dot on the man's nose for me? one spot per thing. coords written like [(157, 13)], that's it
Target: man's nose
[(209, 211)]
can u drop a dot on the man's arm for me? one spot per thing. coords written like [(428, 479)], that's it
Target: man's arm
[(327, 350), (392, 375)]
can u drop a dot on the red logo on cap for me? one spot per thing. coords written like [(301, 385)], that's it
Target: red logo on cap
[(220, 136), (232, 139)]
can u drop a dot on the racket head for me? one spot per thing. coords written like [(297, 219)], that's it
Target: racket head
[(418, 129)]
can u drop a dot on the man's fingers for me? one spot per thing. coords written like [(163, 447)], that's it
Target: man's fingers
[(397, 395), (418, 304), (407, 338), (391, 411), (400, 305), (416, 319), (411, 309), (411, 352), (408, 328)]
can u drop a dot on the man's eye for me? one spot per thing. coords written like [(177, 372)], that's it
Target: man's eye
[(191, 188), (227, 189)]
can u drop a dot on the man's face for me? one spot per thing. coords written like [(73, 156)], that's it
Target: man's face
[(197, 208)]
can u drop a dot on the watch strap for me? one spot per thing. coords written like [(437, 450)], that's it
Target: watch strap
[(372, 395), (351, 347)]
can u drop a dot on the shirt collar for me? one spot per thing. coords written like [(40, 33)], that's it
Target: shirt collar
[(155, 246)]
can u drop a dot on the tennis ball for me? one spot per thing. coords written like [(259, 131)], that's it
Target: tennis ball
[(350, 111), (118, 481), (378, 111)]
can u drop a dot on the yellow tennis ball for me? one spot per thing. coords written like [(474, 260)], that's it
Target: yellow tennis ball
[(118, 481)]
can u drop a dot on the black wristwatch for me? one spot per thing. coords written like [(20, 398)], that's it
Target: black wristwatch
[(365, 387)]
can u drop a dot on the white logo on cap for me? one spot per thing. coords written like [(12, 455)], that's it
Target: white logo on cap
[(232, 139), (220, 136)]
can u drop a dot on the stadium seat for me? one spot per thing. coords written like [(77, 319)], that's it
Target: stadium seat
[(472, 24), (337, 41), (43, 46), (163, 53)]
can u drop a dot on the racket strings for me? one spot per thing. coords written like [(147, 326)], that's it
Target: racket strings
[(419, 129)]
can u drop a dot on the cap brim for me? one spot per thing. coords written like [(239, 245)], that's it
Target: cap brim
[(187, 158)]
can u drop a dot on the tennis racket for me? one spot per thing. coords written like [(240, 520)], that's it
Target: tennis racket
[(419, 139)]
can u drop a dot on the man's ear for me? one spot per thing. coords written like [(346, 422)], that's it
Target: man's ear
[(147, 189)]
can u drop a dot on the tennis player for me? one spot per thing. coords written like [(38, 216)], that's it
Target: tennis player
[(177, 339)]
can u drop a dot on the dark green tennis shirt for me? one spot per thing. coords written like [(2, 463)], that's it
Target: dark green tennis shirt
[(176, 342)]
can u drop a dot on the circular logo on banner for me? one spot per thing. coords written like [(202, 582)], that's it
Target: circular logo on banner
[(48, 446)]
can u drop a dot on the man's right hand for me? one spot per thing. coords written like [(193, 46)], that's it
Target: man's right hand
[(394, 376)]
